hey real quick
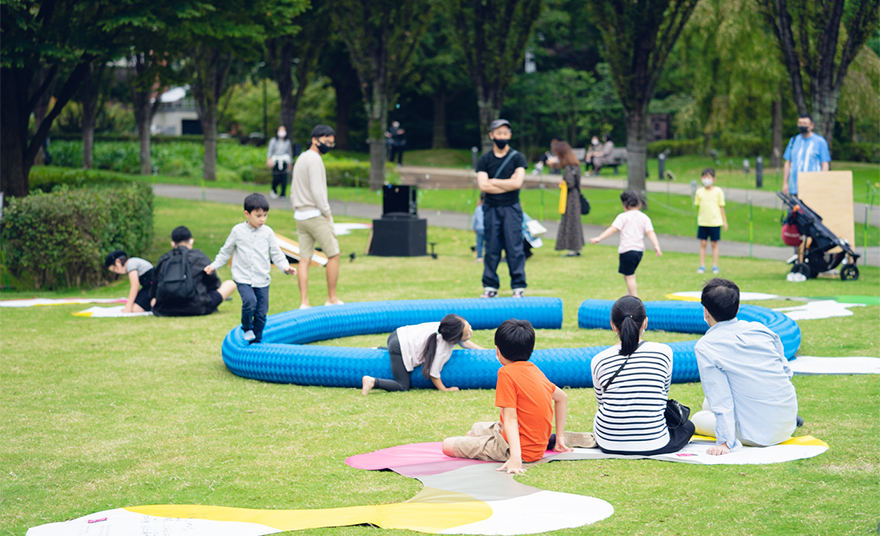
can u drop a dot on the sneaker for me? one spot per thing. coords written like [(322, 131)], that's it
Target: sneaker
[(478, 259), (489, 293), (701, 270), (304, 306), (799, 421), (582, 440), (249, 335), (715, 270), (338, 302), (518, 293), (572, 254), (273, 195)]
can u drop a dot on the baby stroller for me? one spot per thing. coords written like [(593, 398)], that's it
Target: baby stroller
[(814, 242)]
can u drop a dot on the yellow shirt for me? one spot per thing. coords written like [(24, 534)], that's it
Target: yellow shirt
[(710, 203)]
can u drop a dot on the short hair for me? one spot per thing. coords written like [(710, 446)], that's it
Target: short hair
[(630, 199), (111, 257), (721, 299), (322, 130), (806, 116), (607, 137), (708, 171), (256, 201), (180, 234), (515, 339)]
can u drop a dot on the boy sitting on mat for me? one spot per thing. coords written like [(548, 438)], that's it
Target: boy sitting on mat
[(527, 399), (750, 399)]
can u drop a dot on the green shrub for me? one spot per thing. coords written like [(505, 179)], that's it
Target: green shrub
[(856, 152), (675, 147), (100, 137), (743, 145), (59, 239), (47, 178)]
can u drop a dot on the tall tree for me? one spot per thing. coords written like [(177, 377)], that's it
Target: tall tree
[(91, 93), (144, 77), (336, 65), (294, 58), (638, 37), (493, 35), (819, 41), (381, 37)]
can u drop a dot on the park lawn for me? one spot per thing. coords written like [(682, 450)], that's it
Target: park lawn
[(107, 413)]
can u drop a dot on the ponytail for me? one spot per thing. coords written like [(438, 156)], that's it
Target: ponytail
[(628, 315), (451, 329)]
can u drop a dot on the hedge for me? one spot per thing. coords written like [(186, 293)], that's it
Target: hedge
[(186, 138), (47, 178), (59, 239), (856, 152)]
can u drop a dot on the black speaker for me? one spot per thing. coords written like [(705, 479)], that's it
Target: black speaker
[(404, 237), (399, 201)]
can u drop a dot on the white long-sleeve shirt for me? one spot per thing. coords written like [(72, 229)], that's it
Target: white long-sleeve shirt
[(255, 251), (308, 190), (747, 382)]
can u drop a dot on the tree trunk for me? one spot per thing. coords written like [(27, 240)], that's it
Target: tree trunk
[(208, 120), (489, 111), (144, 144), (378, 115), (707, 143), (143, 110), (343, 106), (439, 138), (825, 113), (776, 128), (212, 70), (89, 110), (13, 176), (636, 154), (852, 129), (42, 108)]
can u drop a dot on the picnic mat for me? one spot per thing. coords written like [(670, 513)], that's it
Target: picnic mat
[(107, 312), (810, 365), (57, 301)]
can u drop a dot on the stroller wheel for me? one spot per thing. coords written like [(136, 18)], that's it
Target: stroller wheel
[(849, 272), (803, 269)]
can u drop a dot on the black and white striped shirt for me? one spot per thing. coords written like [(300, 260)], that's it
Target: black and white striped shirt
[(631, 414)]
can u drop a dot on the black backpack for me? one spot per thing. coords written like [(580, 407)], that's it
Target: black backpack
[(176, 285)]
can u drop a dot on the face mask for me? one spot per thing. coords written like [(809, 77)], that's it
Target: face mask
[(708, 182), (803, 129), (282, 134), (501, 144), (595, 141), (324, 148)]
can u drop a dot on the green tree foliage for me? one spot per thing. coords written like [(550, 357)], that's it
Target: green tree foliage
[(859, 102), (638, 37)]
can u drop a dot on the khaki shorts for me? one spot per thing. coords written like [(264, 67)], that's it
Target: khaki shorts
[(485, 443), (320, 230)]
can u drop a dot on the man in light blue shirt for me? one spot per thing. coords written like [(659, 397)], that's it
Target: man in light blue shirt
[(805, 152), (745, 377)]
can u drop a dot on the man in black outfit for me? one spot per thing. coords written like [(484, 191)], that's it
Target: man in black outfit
[(500, 174), (209, 291)]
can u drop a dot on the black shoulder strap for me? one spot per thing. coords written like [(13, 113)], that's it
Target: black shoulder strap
[(510, 155), (608, 383)]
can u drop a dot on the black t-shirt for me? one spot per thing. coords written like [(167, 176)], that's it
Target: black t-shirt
[(490, 163)]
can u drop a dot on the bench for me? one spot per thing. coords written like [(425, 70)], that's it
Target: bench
[(618, 157)]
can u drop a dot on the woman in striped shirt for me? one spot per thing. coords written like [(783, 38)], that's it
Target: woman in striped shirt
[(631, 381)]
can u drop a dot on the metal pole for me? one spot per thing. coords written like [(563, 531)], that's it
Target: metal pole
[(542, 197), (203, 189), (661, 166), (751, 227), (759, 171)]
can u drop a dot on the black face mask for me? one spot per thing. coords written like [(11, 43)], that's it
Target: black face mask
[(803, 129), (324, 148), (501, 144)]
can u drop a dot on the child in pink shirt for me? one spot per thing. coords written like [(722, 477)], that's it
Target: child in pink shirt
[(633, 225)]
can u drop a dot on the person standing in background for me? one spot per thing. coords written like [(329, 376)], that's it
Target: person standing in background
[(279, 158), (805, 152)]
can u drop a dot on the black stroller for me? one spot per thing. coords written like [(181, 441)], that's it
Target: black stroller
[(816, 242)]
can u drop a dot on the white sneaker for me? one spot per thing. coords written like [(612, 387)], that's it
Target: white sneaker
[(273, 195), (304, 306), (249, 335), (338, 302)]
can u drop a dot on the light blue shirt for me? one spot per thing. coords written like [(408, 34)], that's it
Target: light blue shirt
[(255, 251), (747, 382), (805, 154)]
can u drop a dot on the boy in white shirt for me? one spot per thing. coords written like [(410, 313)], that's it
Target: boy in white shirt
[(633, 225)]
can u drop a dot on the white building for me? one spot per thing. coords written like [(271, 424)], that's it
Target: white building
[(177, 114)]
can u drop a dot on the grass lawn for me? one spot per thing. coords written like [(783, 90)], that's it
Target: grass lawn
[(107, 413)]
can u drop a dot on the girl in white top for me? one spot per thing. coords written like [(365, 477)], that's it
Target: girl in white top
[(631, 382), (429, 345), (633, 225)]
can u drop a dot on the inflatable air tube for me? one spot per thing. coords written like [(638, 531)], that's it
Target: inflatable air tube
[(687, 317)]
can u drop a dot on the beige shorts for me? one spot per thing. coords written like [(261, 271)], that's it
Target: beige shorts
[(485, 443), (320, 230)]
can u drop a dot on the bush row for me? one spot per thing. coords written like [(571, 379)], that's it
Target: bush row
[(101, 137), (59, 239), (739, 145)]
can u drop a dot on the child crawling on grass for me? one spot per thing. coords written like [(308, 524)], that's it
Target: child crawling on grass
[(527, 400)]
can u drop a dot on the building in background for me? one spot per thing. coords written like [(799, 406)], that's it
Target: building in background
[(177, 115)]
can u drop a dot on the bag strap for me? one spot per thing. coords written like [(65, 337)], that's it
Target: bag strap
[(608, 383), (510, 155)]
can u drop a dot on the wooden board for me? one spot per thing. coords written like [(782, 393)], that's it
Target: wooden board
[(830, 195), (291, 249)]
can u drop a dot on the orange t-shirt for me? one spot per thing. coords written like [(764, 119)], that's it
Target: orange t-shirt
[(523, 386)]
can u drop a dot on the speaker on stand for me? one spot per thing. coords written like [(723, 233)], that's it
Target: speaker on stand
[(399, 232)]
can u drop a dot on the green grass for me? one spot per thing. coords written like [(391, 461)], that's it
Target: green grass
[(107, 413), (447, 158)]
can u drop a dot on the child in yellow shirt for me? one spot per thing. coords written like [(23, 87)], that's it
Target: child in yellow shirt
[(710, 219)]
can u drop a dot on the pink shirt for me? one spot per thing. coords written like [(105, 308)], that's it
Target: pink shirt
[(632, 224)]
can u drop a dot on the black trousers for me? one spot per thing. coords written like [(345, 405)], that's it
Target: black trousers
[(396, 151), (504, 232), (280, 178), (678, 438), (398, 370)]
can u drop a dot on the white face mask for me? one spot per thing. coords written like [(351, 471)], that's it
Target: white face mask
[(708, 182), (282, 133)]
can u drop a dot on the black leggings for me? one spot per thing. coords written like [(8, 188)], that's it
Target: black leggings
[(678, 438), (401, 375)]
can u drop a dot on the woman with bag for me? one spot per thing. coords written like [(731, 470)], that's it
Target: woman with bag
[(570, 235), (631, 380)]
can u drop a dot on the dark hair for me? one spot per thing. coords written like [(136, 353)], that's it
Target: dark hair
[(628, 314), (566, 156), (322, 130), (180, 234), (708, 171), (254, 202), (451, 329), (607, 137), (721, 298), (630, 199), (806, 116), (515, 339), (111, 257)]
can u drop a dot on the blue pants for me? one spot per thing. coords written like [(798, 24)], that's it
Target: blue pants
[(254, 306), (504, 232), (481, 242)]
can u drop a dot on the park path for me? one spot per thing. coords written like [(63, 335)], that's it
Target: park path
[(461, 220)]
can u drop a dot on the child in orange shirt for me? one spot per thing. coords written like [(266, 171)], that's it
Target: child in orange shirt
[(524, 395)]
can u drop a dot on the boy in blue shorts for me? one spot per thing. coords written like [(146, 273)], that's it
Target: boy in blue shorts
[(255, 248), (710, 219)]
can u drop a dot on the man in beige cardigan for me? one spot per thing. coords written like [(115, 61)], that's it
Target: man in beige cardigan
[(314, 222)]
